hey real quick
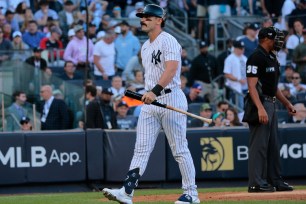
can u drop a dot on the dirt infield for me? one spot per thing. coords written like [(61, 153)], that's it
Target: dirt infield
[(229, 196)]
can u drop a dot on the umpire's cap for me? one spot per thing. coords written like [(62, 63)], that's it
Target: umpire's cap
[(268, 32), (152, 10)]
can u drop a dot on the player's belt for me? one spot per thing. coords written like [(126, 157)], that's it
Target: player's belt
[(165, 91), (271, 99)]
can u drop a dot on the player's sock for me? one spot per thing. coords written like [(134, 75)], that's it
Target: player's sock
[(131, 181)]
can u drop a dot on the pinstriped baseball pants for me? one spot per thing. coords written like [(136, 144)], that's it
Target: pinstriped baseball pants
[(151, 120)]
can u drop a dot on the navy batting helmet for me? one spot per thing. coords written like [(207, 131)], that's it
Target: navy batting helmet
[(152, 10)]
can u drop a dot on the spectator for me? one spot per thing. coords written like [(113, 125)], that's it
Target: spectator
[(300, 116), (134, 64), (138, 83), (54, 112), (104, 57), (266, 22), (286, 92), (271, 8), (186, 63), (16, 111), (117, 12), (20, 11), (218, 120), (287, 76), (92, 32), (184, 82), (126, 45), (7, 31), (232, 117), (33, 37), (68, 16), (76, 50), (138, 8), (25, 123), (250, 40), (105, 22), (117, 87), (296, 86), (298, 13), (43, 13), (28, 17), (299, 57), (9, 16), (53, 44), (206, 112), (234, 71), (125, 121), (203, 70), (69, 72), (5, 48), (193, 95), (100, 113), (201, 14), (295, 39), (222, 106), (216, 9), (287, 8), (21, 50), (221, 59)]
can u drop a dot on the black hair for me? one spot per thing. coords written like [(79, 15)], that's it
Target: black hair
[(66, 62), (91, 89), (17, 93)]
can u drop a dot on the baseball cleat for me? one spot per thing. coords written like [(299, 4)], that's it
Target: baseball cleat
[(118, 195), (187, 199)]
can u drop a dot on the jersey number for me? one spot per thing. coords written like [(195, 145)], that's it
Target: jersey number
[(252, 69)]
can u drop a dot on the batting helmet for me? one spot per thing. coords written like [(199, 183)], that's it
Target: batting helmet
[(152, 10)]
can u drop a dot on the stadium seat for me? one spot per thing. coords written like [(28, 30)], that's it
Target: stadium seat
[(194, 108), (105, 84), (282, 116)]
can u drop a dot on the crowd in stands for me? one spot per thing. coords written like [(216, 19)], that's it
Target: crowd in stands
[(40, 33)]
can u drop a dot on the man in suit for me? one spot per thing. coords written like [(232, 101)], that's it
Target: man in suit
[(16, 111), (54, 112)]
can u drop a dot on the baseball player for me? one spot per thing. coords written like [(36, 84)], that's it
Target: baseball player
[(161, 58)]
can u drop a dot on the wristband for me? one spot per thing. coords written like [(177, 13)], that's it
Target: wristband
[(157, 89)]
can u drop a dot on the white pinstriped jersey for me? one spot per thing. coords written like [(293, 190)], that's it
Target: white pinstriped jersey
[(154, 55)]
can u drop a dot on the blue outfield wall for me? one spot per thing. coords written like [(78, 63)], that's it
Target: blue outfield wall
[(74, 156)]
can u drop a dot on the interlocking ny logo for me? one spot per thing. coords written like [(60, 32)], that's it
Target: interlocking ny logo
[(156, 56), (217, 154)]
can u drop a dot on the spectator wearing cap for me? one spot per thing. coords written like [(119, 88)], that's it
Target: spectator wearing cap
[(295, 39), (104, 57), (16, 111), (21, 50), (68, 16), (299, 57), (5, 48), (194, 94), (138, 8), (41, 16), (76, 50), (25, 123), (125, 121), (9, 17), (206, 112), (32, 37), (218, 120), (99, 112), (234, 72), (53, 44), (127, 46), (117, 12), (250, 40), (203, 70)]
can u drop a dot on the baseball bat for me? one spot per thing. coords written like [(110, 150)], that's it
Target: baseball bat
[(138, 96)]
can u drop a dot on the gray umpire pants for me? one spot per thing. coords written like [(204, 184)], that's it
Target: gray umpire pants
[(264, 150)]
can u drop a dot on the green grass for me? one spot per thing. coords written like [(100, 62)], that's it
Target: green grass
[(95, 197)]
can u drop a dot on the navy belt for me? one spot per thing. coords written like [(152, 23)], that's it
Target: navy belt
[(271, 99)]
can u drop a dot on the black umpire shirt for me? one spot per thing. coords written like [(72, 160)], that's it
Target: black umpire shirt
[(265, 66)]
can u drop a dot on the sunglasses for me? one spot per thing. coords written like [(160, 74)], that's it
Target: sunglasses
[(295, 77)]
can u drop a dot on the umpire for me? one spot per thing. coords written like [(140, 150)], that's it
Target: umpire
[(264, 166)]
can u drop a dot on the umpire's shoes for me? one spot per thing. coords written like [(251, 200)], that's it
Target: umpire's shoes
[(187, 199), (283, 186), (261, 188), (118, 195)]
